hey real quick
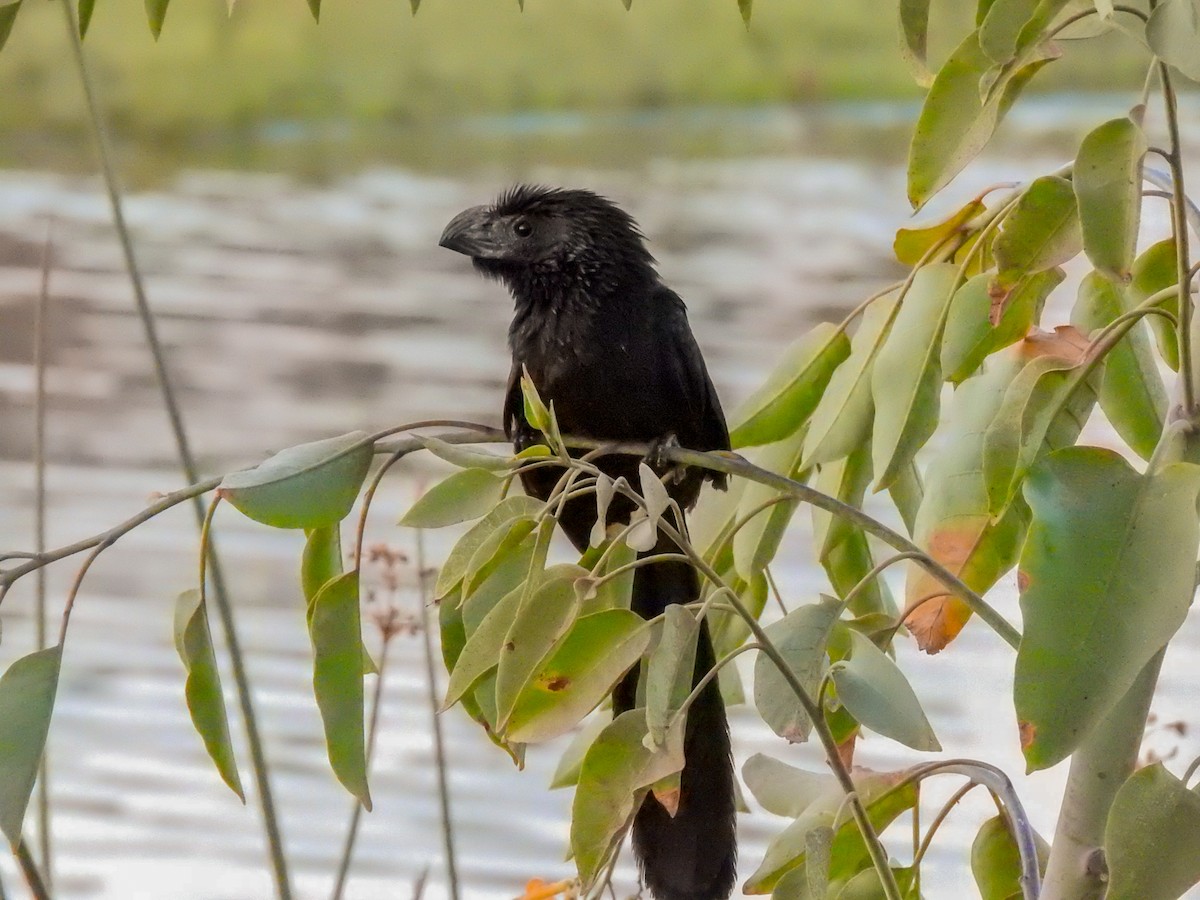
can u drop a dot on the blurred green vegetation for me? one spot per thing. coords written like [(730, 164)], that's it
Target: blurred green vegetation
[(371, 63)]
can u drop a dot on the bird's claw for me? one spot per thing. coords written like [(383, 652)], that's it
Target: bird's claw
[(656, 456)]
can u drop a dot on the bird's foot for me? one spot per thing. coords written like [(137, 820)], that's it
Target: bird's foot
[(656, 457)]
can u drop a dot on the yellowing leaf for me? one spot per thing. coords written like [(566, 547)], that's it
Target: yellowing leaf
[(911, 244), (580, 672), (971, 335)]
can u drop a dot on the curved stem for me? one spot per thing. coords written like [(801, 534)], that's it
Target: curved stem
[(710, 675), (40, 315), (343, 871), (439, 741), (1187, 340), (866, 580), (33, 878), (874, 847), (939, 819)]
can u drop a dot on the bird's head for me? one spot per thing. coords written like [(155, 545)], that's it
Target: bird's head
[(533, 229)]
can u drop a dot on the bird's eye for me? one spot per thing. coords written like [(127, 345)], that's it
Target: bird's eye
[(523, 229)]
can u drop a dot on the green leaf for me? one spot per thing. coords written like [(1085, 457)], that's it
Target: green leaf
[(465, 457), (1174, 34), (956, 121), (996, 860), (1044, 406), (86, 8), (1000, 28), (1152, 839), (911, 244), (205, 702), (970, 334), (314, 6), (755, 545), (914, 31), (336, 636), (1102, 592), (787, 852), (669, 671), (536, 413), (1041, 232), (842, 419), (465, 495), (1132, 394), (580, 672), (906, 493), (872, 687), (305, 486), (497, 519), (745, 7), (906, 380), (507, 575), (156, 11), (843, 550), (615, 593), (782, 789), (616, 770), (8, 15), (791, 392), (866, 885), (540, 625), (800, 637), (1154, 271), (322, 560), (27, 691), (481, 653), (508, 541), (566, 774), (1108, 185)]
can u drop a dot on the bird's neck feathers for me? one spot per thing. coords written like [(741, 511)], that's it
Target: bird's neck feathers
[(574, 291)]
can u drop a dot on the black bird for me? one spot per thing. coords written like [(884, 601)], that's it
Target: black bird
[(609, 344)]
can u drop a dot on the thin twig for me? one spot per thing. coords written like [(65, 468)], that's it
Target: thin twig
[(939, 819), (439, 741), (33, 878), (40, 327), (187, 461), (356, 810), (1187, 340)]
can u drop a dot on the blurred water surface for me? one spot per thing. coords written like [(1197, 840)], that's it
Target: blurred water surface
[(291, 311)]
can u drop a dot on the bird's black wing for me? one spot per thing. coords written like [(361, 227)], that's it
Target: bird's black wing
[(701, 424)]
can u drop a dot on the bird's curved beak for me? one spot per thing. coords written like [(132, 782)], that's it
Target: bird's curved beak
[(471, 233)]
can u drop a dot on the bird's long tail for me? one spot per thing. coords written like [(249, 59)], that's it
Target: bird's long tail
[(693, 855)]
